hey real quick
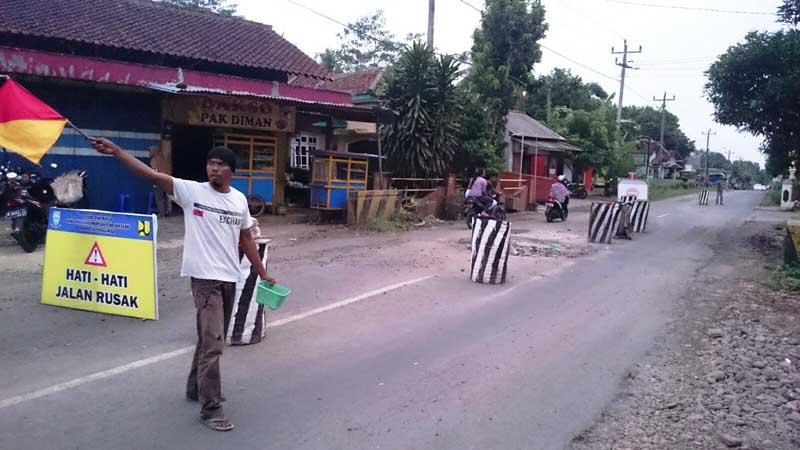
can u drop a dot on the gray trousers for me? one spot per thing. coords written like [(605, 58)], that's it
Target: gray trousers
[(214, 302)]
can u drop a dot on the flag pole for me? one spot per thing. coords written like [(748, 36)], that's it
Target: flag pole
[(81, 132)]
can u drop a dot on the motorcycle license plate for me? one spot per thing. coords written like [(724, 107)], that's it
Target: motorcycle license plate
[(16, 213)]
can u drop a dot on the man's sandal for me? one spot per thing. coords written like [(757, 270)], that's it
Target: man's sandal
[(217, 424)]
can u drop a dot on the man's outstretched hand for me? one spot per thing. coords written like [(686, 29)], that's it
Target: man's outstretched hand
[(105, 146)]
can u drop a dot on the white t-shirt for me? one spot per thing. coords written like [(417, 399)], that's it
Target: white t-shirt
[(213, 221)]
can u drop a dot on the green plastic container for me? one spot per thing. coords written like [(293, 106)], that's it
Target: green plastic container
[(271, 296)]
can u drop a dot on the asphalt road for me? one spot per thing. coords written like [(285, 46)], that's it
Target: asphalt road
[(435, 363)]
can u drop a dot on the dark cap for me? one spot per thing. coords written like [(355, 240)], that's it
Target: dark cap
[(224, 154)]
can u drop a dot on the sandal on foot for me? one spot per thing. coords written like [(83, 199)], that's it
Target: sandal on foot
[(218, 424)]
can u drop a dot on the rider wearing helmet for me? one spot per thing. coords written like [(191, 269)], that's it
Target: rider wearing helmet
[(560, 192)]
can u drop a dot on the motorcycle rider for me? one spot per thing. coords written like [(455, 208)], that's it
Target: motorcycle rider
[(480, 191), (560, 192)]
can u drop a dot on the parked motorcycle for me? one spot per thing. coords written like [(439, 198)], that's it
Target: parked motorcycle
[(555, 210), (25, 200), (577, 190), (473, 209), (610, 189)]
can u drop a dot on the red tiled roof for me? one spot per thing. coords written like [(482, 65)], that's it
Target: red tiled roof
[(355, 83), (158, 28)]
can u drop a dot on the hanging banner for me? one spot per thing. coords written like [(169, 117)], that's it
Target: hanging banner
[(101, 261), (230, 112)]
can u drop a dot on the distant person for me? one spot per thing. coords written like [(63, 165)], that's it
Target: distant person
[(559, 191), (479, 191), (719, 193)]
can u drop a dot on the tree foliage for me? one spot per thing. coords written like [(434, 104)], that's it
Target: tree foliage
[(222, 7), (564, 90), (755, 86), (595, 133), (422, 94), (504, 50), (363, 44), (789, 12), (646, 122)]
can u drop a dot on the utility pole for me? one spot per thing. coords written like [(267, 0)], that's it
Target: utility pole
[(431, 10), (549, 106), (624, 64), (708, 141), (663, 101)]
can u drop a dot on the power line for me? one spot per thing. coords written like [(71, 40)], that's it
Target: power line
[(394, 46), (692, 8), (471, 6), (578, 63)]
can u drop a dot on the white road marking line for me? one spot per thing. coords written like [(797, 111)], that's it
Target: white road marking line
[(663, 215), (182, 351), (346, 302)]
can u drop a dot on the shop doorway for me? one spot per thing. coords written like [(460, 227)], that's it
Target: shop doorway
[(189, 148)]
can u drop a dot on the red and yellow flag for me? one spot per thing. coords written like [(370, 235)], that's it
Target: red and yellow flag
[(27, 125)]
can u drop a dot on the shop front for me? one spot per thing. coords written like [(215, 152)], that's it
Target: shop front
[(257, 130)]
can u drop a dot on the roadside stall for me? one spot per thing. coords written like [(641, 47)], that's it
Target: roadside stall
[(334, 175)]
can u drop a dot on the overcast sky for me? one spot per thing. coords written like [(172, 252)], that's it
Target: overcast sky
[(678, 45)]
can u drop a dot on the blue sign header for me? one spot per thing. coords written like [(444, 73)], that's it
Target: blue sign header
[(102, 223)]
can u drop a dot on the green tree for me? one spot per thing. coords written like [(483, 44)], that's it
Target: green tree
[(476, 147), (646, 122), (364, 43), (223, 7), (332, 60), (422, 94), (564, 90), (755, 85), (595, 133), (789, 12), (504, 50)]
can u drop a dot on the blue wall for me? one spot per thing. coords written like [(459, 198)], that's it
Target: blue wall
[(132, 120)]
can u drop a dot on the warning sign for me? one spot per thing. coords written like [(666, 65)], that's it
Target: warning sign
[(95, 257), (101, 261)]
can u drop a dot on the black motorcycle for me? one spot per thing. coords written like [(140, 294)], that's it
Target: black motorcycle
[(555, 210), (473, 209), (610, 188), (577, 190), (25, 201)]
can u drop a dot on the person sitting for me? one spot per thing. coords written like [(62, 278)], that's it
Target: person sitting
[(479, 191), (560, 192)]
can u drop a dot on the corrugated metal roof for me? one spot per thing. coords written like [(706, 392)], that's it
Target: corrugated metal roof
[(521, 124)]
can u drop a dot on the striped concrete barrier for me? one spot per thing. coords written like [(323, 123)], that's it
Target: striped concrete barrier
[(363, 206), (639, 214), (703, 197), (791, 245), (490, 244), (604, 221), (247, 318)]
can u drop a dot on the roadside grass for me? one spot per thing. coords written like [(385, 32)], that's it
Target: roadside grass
[(773, 198), (399, 221), (787, 278), (662, 189)]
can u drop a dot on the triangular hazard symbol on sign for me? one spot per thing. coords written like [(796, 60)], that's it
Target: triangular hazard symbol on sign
[(95, 257)]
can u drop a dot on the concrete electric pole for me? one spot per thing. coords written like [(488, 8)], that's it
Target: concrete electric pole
[(431, 13), (624, 64), (708, 141), (663, 101)]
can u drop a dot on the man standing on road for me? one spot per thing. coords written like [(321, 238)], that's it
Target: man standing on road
[(719, 193), (216, 220)]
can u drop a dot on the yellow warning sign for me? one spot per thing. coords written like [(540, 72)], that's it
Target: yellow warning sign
[(101, 261)]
